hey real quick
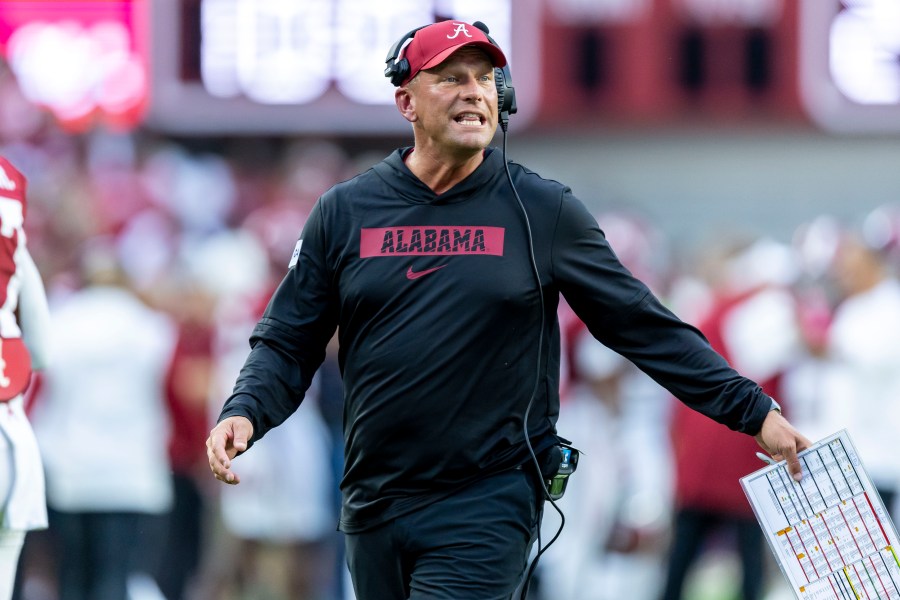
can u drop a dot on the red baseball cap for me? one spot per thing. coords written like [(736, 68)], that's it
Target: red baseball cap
[(434, 43)]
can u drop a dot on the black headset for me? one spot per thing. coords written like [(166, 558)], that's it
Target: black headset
[(398, 71)]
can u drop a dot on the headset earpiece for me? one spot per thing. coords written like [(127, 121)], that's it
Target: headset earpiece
[(398, 70), (506, 94)]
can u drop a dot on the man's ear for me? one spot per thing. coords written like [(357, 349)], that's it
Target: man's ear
[(405, 104)]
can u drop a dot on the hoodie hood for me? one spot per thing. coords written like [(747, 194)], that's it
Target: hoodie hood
[(394, 172)]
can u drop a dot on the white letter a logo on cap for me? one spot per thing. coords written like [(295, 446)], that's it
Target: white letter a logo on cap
[(460, 28)]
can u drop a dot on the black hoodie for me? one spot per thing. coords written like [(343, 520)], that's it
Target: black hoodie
[(436, 301)]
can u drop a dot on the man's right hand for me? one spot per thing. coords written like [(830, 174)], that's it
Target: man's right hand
[(783, 442), (226, 439)]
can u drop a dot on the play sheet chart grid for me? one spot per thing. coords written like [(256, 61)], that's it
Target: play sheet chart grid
[(830, 532)]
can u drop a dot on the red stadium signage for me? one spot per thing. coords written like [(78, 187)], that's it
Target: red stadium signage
[(85, 60)]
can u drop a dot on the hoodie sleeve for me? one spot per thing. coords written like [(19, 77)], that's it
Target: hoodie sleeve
[(622, 313), (288, 344)]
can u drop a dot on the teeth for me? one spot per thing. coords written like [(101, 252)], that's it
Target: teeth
[(469, 119)]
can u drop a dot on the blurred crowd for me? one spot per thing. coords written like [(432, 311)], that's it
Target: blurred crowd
[(159, 256)]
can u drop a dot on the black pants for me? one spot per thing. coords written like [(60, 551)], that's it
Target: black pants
[(473, 545), (693, 528)]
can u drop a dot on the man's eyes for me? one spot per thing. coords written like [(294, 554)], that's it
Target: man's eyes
[(454, 79)]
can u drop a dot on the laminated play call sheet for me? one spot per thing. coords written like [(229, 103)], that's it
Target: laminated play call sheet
[(830, 532)]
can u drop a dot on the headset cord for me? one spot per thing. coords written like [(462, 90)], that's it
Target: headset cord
[(537, 379)]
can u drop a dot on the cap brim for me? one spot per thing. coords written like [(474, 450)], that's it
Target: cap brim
[(497, 56)]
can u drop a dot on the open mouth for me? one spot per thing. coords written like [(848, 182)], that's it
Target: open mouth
[(470, 119)]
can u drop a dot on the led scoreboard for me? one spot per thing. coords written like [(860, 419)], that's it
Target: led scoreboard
[(84, 61), (835, 63), (316, 66), (661, 62), (286, 67), (850, 64)]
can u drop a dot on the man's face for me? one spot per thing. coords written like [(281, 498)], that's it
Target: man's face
[(455, 104)]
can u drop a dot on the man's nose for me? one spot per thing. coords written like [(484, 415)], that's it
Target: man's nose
[(472, 88)]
